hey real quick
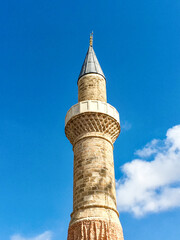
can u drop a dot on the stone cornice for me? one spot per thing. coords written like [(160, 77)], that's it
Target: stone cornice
[(88, 122)]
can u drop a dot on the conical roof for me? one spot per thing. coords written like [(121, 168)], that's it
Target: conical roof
[(91, 64)]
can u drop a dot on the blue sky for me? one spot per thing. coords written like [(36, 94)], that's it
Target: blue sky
[(42, 48)]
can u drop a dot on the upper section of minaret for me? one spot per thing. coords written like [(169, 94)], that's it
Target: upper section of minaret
[(91, 64), (92, 114), (91, 82)]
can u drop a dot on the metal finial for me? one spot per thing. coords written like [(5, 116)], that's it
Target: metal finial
[(91, 39)]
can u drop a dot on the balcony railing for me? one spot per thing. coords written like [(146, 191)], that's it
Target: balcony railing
[(92, 106)]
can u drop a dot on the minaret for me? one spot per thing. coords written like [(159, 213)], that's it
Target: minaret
[(92, 126)]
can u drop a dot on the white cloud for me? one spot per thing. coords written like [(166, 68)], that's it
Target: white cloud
[(151, 183), (44, 236), (126, 125)]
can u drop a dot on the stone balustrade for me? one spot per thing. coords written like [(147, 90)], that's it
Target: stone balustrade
[(92, 106)]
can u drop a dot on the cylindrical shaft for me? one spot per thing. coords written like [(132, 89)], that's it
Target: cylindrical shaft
[(92, 87), (94, 182)]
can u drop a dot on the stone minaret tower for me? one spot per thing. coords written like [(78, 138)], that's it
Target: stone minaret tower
[(92, 126)]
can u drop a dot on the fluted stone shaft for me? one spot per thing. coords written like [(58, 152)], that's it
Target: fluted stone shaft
[(92, 126)]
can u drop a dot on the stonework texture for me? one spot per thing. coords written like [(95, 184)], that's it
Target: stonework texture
[(94, 181), (92, 135), (92, 87), (95, 230)]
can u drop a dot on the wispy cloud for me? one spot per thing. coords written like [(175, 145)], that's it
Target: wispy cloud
[(151, 183), (126, 125), (44, 236)]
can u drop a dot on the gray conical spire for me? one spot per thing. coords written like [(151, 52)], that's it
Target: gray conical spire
[(91, 64)]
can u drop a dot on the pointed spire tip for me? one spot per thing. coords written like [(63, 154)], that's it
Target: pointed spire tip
[(91, 64)]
